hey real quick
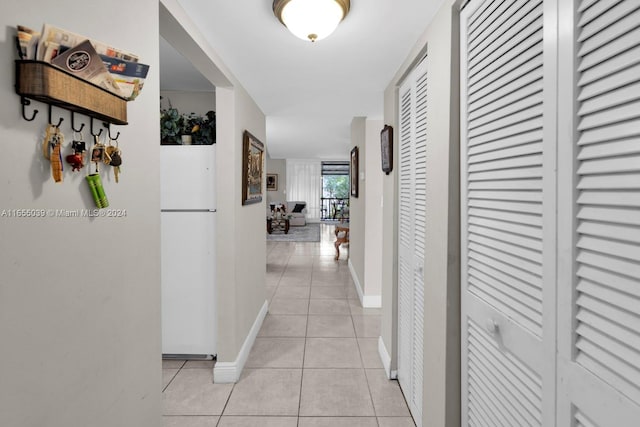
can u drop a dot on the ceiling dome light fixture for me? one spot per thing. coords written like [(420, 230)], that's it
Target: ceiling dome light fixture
[(311, 19)]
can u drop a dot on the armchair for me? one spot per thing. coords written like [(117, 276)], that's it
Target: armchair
[(298, 218)]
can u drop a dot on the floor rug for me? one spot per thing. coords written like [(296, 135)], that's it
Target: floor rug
[(308, 233)]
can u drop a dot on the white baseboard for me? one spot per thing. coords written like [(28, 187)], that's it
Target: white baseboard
[(229, 372), (386, 360), (367, 301)]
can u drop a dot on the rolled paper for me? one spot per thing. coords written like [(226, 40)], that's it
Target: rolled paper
[(97, 191)]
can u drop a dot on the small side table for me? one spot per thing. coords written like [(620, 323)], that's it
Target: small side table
[(274, 224)]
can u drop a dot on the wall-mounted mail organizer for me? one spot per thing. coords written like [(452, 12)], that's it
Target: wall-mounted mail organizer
[(46, 83)]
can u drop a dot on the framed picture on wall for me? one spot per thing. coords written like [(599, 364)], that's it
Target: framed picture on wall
[(272, 182), (252, 168), (354, 172), (386, 145)]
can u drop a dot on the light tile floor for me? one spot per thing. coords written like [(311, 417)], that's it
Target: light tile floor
[(314, 363)]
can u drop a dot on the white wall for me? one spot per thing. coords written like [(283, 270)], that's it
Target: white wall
[(365, 213), (279, 167), (357, 205), (373, 211), (80, 297), (441, 394), (240, 240)]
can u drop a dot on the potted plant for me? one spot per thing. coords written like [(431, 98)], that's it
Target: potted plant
[(190, 124), (206, 132), (170, 126)]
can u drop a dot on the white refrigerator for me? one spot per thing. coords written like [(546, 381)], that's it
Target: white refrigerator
[(188, 255)]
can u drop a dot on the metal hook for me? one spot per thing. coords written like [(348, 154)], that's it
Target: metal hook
[(73, 124), (59, 121), (108, 126), (95, 134), (24, 101)]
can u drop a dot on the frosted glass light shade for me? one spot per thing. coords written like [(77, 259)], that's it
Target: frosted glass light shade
[(311, 19)]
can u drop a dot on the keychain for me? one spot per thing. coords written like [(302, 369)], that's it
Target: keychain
[(97, 153), (93, 180), (76, 160), (113, 157), (52, 151)]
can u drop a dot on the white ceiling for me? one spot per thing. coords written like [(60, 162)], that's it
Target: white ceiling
[(309, 92)]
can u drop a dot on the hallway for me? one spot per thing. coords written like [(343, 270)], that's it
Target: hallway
[(315, 361)]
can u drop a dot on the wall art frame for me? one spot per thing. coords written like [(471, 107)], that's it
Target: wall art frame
[(354, 171), (252, 168), (386, 147), (272, 182)]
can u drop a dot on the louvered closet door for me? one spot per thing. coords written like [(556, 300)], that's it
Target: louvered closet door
[(599, 338), (411, 242), (505, 203)]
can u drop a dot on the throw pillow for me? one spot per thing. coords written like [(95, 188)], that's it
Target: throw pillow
[(298, 208)]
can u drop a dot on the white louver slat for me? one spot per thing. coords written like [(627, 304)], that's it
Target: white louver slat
[(607, 301), (522, 120), (502, 163), (406, 232), (413, 203)]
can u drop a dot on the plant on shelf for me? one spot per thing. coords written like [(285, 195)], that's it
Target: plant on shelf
[(190, 126), (186, 129), (170, 125), (206, 132)]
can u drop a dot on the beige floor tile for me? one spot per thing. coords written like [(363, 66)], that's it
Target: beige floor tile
[(276, 325), (192, 392), (328, 292), (332, 353), (352, 293), (396, 422), (190, 421), (324, 270), (300, 260), (266, 392), (289, 306), (167, 376), (388, 399), (328, 265), (337, 422), (271, 291), (326, 260), (292, 292), (369, 353), (367, 326), (198, 364), (276, 353), (271, 281), (299, 268), (319, 279), (295, 281), (335, 392), (330, 327), (235, 421), (329, 306), (308, 250), (172, 364), (330, 251)]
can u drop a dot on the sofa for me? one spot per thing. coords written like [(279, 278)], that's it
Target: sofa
[(297, 218)]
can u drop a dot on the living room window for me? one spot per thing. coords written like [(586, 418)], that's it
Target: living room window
[(335, 191)]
